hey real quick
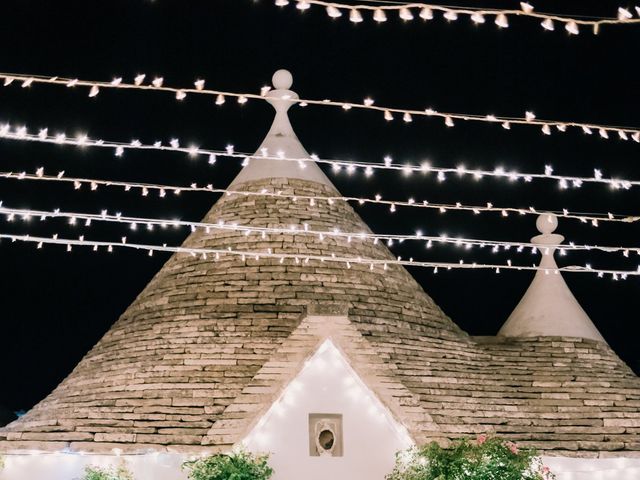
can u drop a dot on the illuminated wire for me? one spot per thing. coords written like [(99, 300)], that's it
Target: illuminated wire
[(214, 254), (624, 133), (162, 189), (564, 181), (302, 229)]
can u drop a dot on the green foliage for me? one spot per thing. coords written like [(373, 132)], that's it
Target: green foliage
[(111, 473), (234, 466), (487, 458)]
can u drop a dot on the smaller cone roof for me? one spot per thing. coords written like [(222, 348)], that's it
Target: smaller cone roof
[(548, 308)]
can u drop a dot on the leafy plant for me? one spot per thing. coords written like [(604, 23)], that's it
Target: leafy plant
[(107, 473), (233, 466), (486, 458)]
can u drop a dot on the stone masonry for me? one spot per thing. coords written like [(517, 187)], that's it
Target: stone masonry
[(196, 358)]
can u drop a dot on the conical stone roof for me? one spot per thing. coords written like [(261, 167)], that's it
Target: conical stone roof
[(206, 345)]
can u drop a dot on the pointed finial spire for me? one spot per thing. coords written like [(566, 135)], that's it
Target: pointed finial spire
[(548, 308), (281, 141)]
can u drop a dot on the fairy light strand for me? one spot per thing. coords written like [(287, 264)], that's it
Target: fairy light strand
[(389, 113), (144, 189), (371, 263), (425, 11), (337, 165), (300, 229)]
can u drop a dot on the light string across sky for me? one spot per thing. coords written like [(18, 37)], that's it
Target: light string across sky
[(298, 229), (216, 254), (547, 127), (21, 133), (478, 15), (144, 189)]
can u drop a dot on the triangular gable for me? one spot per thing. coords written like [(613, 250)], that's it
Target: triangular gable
[(328, 424), (323, 322)]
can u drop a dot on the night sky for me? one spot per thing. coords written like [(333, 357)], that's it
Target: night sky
[(54, 305)]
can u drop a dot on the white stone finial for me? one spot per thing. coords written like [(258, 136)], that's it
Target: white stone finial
[(282, 79), (281, 141), (547, 223), (548, 308)]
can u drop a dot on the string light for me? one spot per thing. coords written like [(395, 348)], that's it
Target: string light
[(369, 263), (623, 16), (162, 189), (623, 133), (390, 239), (21, 134)]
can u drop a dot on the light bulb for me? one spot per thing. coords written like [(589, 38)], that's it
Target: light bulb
[(333, 12), (450, 15), (502, 21), (379, 15), (477, 17), (426, 13), (405, 14), (572, 28), (526, 7), (355, 16), (624, 14)]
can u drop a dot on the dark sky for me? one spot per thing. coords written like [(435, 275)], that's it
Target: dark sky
[(55, 305)]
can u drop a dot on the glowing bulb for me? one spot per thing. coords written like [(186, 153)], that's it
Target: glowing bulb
[(379, 16), (526, 7), (355, 16), (405, 14), (502, 21), (220, 99), (94, 91), (199, 84), (303, 5), (548, 25), (624, 14), (448, 121), (388, 116), (157, 82), (333, 12), (426, 13), (282, 3), (139, 79), (572, 28), (180, 95), (450, 15), (477, 17)]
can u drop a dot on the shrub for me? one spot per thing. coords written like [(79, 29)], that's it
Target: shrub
[(107, 473), (486, 458), (234, 466)]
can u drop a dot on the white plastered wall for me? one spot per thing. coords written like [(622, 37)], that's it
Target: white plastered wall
[(328, 384)]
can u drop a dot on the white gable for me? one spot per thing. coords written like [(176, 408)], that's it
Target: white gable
[(328, 385)]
